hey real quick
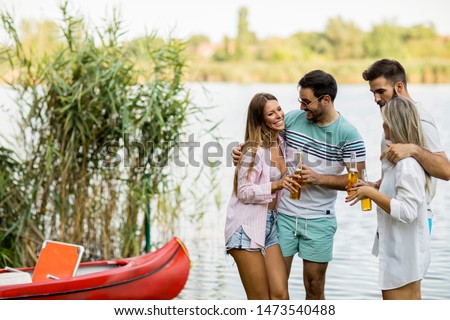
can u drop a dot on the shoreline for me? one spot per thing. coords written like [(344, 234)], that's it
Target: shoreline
[(423, 71), (420, 71)]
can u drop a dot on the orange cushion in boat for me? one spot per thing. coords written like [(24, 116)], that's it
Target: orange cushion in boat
[(57, 260)]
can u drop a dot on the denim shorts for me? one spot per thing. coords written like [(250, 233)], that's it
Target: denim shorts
[(240, 240)]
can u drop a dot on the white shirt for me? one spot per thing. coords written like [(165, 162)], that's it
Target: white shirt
[(402, 242)]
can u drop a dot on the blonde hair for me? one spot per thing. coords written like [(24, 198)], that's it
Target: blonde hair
[(257, 134), (402, 118)]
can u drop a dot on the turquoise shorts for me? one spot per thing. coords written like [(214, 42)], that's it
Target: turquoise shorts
[(312, 239)]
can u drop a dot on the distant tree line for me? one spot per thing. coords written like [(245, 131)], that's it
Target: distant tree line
[(342, 45), (340, 40)]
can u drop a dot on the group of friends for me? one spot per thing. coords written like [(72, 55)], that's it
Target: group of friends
[(265, 228)]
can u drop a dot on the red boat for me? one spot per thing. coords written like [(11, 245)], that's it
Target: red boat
[(159, 275)]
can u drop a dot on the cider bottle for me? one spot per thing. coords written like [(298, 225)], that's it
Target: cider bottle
[(298, 171), (366, 203), (352, 176)]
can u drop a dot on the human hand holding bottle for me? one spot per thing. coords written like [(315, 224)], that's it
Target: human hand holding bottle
[(360, 191)]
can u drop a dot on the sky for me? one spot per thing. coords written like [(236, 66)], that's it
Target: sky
[(217, 19)]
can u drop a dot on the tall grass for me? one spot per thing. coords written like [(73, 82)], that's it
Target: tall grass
[(98, 134), (17, 233)]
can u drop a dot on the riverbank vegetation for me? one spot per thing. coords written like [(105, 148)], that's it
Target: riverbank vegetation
[(342, 48), (98, 136)]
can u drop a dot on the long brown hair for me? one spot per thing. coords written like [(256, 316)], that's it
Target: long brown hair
[(257, 134), (402, 118)]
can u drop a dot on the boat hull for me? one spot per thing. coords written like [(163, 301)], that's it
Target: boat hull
[(159, 275)]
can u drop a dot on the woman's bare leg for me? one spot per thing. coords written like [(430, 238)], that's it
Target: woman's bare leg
[(252, 270), (276, 273), (411, 291)]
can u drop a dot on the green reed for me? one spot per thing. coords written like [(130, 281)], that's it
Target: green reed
[(95, 131)]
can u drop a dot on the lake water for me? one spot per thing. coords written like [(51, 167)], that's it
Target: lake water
[(353, 272)]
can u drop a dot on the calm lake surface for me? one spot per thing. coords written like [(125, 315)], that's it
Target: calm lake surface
[(353, 272)]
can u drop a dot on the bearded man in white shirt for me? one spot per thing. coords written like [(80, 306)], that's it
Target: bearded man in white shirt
[(387, 79)]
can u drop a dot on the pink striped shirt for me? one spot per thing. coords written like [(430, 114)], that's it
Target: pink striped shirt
[(248, 207)]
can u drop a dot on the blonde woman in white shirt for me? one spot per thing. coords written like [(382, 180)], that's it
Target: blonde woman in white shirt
[(402, 241)]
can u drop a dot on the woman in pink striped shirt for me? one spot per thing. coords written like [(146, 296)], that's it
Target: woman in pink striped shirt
[(250, 232)]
